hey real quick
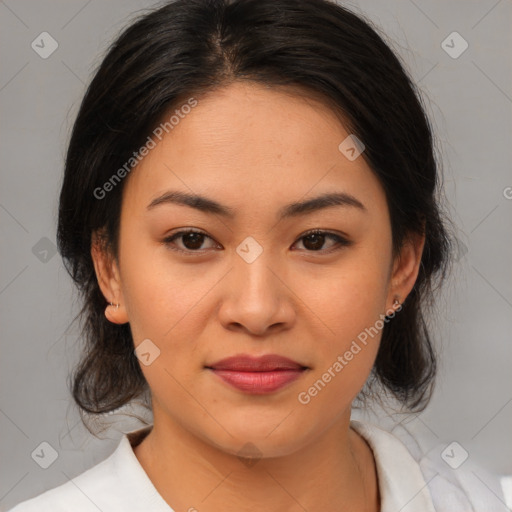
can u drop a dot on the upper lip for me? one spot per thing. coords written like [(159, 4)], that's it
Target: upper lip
[(266, 363)]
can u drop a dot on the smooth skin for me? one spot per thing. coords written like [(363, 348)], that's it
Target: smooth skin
[(255, 149)]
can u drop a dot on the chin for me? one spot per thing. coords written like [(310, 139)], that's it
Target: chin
[(262, 439)]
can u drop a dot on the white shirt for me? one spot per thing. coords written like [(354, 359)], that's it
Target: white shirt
[(407, 483)]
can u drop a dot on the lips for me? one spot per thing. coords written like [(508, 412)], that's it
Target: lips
[(270, 362), (257, 375)]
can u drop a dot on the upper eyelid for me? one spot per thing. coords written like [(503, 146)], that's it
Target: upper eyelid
[(306, 233)]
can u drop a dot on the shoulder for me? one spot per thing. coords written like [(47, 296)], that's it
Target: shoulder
[(80, 491), (453, 480), (457, 480), (118, 483)]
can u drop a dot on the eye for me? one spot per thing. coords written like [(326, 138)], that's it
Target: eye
[(314, 240), (191, 241)]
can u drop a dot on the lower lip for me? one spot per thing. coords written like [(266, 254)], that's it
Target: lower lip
[(258, 383)]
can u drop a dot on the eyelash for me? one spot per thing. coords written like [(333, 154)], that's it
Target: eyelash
[(341, 242)]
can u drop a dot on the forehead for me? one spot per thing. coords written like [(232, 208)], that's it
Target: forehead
[(247, 143)]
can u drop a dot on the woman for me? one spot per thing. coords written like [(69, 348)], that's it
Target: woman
[(250, 210)]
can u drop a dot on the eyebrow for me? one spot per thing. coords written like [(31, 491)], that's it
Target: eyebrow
[(207, 205)]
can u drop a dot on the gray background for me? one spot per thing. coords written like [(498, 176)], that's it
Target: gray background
[(469, 99)]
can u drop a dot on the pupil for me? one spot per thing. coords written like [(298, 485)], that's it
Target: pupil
[(194, 238), (312, 237)]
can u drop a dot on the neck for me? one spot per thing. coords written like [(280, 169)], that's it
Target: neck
[(335, 472)]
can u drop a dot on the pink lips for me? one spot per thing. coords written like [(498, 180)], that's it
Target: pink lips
[(257, 375)]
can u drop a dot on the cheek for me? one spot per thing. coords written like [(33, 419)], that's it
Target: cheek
[(155, 293), (164, 306), (349, 301), (164, 302), (344, 358), (348, 297)]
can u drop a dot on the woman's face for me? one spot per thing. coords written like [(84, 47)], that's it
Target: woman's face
[(253, 283)]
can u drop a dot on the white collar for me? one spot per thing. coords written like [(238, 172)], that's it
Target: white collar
[(401, 483)]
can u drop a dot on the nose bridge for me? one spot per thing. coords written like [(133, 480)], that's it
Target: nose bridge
[(257, 298), (255, 268)]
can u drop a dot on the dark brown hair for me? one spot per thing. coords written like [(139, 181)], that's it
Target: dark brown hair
[(190, 47)]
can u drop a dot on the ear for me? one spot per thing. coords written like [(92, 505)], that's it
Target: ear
[(406, 266), (108, 276)]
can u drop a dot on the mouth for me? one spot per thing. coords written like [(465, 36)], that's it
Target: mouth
[(257, 375)]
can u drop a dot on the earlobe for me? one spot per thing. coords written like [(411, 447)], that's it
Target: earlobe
[(406, 267), (109, 280), (115, 314)]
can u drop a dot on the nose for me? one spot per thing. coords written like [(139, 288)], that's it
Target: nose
[(258, 299)]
